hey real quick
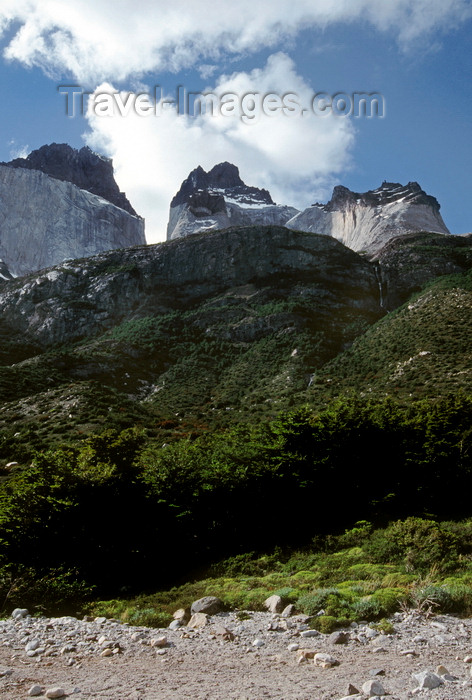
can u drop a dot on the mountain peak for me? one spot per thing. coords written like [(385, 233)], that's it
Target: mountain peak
[(387, 193), (366, 221), (83, 168), (223, 179)]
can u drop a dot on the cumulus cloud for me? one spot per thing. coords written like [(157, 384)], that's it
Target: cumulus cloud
[(294, 156), (110, 40)]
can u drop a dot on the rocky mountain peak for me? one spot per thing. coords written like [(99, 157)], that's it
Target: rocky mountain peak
[(366, 221), (60, 203), (83, 168), (218, 199), (223, 179), (387, 193)]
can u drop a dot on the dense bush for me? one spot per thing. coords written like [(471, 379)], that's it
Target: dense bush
[(129, 515)]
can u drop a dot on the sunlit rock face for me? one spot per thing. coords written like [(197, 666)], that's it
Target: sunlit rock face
[(45, 219), (367, 221), (217, 199)]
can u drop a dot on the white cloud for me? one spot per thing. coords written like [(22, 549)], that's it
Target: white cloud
[(17, 150), (295, 157), (96, 40)]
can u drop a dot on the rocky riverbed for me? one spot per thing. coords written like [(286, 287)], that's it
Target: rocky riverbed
[(226, 657)]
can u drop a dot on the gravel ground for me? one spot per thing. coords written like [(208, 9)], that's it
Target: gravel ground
[(229, 659)]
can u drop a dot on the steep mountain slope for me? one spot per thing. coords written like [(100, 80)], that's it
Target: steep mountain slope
[(44, 220), (222, 326), (366, 222), (231, 319), (218, 199), (407, 262), (422, 349)]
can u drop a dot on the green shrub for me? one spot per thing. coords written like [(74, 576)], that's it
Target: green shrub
[(327, 623), (312, 603), (148, 617), (288, 594), (434, 598), (367, 608), (416, 543), (55, 591), (384, 626)]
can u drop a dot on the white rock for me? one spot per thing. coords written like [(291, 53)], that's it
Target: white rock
[(19, 613), (373, 688), (274, 604), (107, 652), (136, 636), (309, 633), (55, 693), (439, 626), (288, 611), (293, 647), (159, 642), (198, 620), (370, 633), (35, 690), (427, 680), (322, 658), (258, 643), (419, 639), (32, 645)]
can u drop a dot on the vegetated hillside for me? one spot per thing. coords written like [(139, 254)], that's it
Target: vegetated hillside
[(406, 263), (223, 327), (206, 339), (201, 328), (423, 349)]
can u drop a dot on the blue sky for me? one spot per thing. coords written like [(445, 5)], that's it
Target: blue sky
[(418, 55)]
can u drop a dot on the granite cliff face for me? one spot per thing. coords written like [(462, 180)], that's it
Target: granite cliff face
[(367, 221), (44, 220), (219, 198), (84, 168), (361, 221)]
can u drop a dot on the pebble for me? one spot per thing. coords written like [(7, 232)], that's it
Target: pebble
[(55, 693), (35, 690), (159, 642), (258, 643), (326, 660), (79, 639)]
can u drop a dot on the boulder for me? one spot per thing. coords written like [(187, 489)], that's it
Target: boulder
[(373, 688), (210, 605), (198, 620), (274, 604)]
